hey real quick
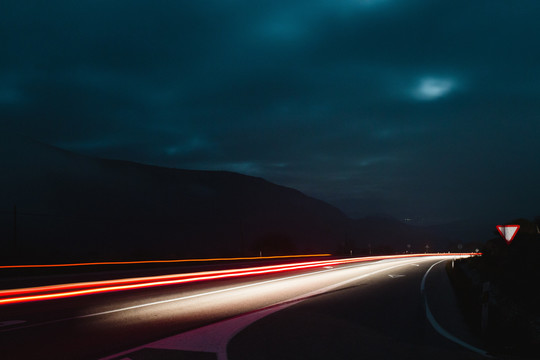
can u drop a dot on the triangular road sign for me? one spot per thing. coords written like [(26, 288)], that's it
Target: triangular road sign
[(508, 232)]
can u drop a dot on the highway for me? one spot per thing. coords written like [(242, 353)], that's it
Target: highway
[(348, 308)]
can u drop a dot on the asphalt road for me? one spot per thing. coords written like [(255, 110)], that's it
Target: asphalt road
[(355, 310), (380, 317)]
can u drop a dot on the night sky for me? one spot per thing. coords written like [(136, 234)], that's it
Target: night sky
[(419, 109)]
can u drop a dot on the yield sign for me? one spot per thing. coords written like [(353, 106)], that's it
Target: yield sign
[(508, 232)]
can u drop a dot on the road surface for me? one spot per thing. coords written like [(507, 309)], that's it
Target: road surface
[(375, 309)]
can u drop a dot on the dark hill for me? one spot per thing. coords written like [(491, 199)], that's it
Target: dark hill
[(72, 206), (383, 234)]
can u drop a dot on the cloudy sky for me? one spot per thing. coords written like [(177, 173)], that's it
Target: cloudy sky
[(414, 108)]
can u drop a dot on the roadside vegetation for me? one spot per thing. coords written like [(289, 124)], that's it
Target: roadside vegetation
[(499, 294)]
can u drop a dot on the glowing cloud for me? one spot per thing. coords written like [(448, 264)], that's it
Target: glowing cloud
[(430, 88)]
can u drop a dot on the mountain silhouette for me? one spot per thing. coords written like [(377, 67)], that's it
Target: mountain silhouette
[(56, 205), (72, 206)]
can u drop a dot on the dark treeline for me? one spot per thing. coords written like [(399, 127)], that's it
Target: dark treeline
[(502, 284)]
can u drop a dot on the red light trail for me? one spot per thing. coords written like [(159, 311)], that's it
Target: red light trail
[(60, 291), (158, 261)]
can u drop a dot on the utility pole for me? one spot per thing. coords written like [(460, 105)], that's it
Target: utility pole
[(14, 228)]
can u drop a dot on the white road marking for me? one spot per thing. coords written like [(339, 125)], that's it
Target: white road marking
[(438, 327), (396, 276)]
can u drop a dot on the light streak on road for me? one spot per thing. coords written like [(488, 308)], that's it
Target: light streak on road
[(60, 291), (98, 326), (159, 261)]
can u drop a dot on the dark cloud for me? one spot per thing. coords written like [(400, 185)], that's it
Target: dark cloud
[(418, 109)]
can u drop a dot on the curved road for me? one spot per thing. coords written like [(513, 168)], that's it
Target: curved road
[(365, 309)]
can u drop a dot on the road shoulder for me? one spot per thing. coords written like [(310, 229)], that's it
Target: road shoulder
[(442, 302)]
